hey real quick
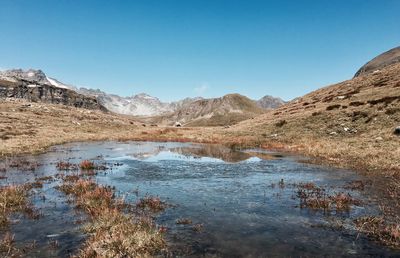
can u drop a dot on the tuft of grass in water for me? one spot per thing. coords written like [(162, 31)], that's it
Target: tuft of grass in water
[(7, 246), (316, 198), (23, 164), (151, 203), (198, 227), (14, 198), (183, 221), (380, 229), (90, 197), (62, 165), (87, 165), (112, 233)]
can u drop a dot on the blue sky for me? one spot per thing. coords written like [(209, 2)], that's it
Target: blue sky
[(173, 49)]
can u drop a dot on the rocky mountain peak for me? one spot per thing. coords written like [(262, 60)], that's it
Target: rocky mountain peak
[(29, 75), (270, 102)]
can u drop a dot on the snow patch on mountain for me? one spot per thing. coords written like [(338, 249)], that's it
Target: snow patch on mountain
[(57, 83)]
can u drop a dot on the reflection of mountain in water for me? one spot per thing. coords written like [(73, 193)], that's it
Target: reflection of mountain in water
[(216, 152), (145, 155), (220, 152)]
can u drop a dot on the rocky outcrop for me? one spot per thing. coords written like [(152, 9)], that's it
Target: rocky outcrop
[(388, 58), (36, 91)]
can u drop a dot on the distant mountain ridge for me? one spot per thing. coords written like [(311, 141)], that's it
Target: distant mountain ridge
[(140, 104), (145, 105), (227, 110)]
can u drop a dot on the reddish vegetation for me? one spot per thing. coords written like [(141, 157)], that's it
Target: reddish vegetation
[(152, 203), (14, 198), (66, 166), (87, 165), (314, 197), (379, 229)]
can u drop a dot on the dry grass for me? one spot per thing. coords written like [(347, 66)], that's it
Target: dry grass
[(7, 246), (151, 203), (63, 165), (112, 233), (13, 198), (380, 229), (316, 198), (87, 165)]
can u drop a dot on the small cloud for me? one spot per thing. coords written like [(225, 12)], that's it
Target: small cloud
[(201, 89)]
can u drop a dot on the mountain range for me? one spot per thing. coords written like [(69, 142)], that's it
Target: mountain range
[(195, 111)]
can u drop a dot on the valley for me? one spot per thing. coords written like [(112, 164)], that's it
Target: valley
[(350, 125)]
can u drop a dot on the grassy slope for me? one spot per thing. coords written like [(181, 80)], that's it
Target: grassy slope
[(351, 122)]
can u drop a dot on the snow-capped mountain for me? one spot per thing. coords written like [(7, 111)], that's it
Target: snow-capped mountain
[(34, 76), (138, 105)]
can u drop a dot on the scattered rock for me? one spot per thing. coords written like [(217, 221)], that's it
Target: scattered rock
[(333, 133), (332, 107), (349, 130), (378, 138), (397, 131), (280, 123), (177, 124)]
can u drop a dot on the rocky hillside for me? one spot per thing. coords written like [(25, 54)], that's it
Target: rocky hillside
[(137, 105), (269, 102), (227, 110), (388, 58), (35, 86)]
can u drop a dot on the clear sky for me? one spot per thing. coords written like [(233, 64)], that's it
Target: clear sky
[(174, 49)]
